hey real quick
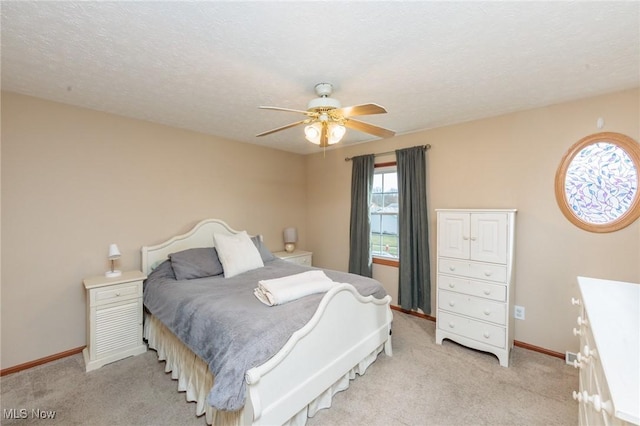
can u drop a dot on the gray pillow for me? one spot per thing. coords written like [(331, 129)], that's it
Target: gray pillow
[(196, 263), (265, 254)]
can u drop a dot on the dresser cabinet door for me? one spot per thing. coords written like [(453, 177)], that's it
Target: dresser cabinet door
[(489, 237), (475, 236), (453, 240)]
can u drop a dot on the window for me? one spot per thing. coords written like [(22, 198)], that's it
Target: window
[(384, 213), (598, 182)]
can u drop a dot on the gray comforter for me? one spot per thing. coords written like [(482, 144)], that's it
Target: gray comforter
[(222, 322)]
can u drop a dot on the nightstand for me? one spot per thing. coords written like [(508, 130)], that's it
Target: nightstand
[(114, 318), (300, 257)]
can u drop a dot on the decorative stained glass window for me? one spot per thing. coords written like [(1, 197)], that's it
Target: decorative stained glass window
[(601, 183), (597, 182)]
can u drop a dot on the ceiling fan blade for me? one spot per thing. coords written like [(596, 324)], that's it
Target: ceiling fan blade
[(268, 132), (364, 109), (324, 136), (368, 128), (309, 113)]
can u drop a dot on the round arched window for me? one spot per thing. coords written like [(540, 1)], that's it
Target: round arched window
[(597, 182)]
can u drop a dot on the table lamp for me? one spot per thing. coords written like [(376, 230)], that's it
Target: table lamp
[(290, 239), (114, 254)]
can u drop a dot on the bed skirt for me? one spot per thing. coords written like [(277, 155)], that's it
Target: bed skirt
[(195, 379)]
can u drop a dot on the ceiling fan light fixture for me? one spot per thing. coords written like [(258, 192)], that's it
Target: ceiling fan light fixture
[(313, 131), (336, 132), (327, 120)]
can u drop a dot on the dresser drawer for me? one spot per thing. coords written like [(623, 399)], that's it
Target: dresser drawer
[(475, 288), (456, 267), (485, 271), (115, 293), (472, 306), (480, 331), (488, 271)]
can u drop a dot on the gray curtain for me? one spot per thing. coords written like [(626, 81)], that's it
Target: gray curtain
[(414, 273), (360, 226)]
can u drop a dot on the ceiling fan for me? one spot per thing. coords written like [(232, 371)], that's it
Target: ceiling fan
[(327, 121)]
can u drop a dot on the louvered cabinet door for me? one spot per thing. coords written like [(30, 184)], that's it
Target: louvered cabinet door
[(117, 327), (114, 319)]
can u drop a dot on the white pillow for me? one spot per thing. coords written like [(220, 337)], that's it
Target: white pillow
[(237, 253)]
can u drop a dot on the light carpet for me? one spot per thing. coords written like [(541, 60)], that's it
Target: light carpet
[(422, 384)]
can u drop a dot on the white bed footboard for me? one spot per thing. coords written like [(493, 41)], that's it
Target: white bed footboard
[(346, 328)]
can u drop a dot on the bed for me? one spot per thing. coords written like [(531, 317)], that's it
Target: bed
[(313, 361)]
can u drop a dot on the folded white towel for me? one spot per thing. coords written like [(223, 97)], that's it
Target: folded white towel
[(295, 279), (282, 290)]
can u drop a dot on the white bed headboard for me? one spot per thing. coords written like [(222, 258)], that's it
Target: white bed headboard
[(200, 235)]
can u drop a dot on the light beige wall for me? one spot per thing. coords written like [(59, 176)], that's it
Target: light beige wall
[(503, 162), (75, 180)]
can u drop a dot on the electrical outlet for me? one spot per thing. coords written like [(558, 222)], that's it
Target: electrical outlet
[(570, 357), (518, 312)]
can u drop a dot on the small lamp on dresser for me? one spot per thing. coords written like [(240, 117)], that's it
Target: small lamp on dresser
[(290, 239), (114, 254)]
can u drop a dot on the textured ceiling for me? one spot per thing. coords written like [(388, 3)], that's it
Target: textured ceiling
[(207, 66)]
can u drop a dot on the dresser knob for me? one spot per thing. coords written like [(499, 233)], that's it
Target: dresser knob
[(464, 237), (117, 294), (452, 285), (603, 406), (577, 332), (582, 321), (473, 238), (452, 268), (452, 303), (486, 334), (578, 396), (487, 312), (575, 301), (487, 273), (582, 359), (487, 292), (588, 352), (452, 325), (596, 402)]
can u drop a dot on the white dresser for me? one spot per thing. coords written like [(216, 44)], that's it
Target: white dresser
[(114, 318), (609, 357), (475, 279), (300, 257)]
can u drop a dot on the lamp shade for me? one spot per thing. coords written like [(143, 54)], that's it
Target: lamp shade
[(336, 134), (114, 252), (290, 235), (313, 131)]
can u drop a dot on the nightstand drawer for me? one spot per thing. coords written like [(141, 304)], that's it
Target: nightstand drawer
[(110, 294), (299, 257), (303, 260)]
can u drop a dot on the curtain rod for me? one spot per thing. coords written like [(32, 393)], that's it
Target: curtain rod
[(425, 147)]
